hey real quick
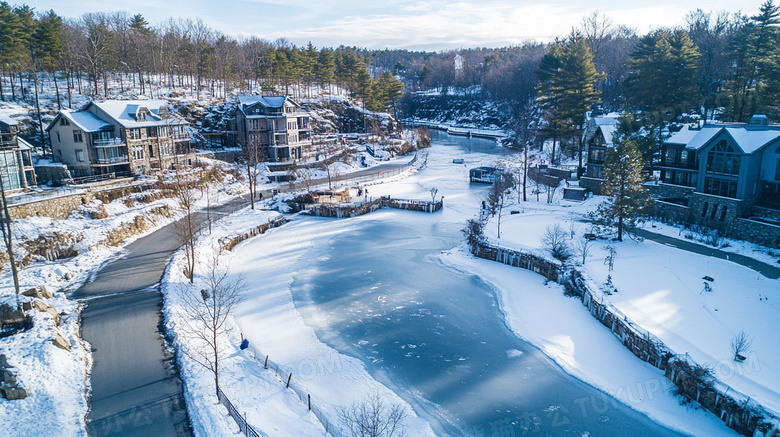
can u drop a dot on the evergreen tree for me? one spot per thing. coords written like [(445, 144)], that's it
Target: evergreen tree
[(628, 200), (755, 53), (663, 74), (661, 84), (566, 83)]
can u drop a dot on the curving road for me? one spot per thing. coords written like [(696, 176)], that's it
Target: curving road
[(763, 268), (135, 388)]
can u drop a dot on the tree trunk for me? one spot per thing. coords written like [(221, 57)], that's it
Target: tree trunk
[(38, 108), (7, 237), (57, 90)]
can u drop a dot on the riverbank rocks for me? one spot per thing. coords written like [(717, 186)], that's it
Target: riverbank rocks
[(47, 308), (61, 342), (40, 292), (10, 315), (10, 386), (14, 392)]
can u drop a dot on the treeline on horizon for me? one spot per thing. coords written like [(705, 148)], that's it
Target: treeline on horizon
[(119, 47), (715, 61)]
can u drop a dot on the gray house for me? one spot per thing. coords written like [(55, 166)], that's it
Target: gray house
[(275, 124), (120, 137), (730, 161)]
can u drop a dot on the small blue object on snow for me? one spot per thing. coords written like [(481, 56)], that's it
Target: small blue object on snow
[(244, 344)]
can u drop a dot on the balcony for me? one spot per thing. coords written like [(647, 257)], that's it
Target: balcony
[(679, 165), (116, 160), (108, 142)]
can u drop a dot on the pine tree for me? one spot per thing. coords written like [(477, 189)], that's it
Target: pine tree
[(755, 53), (567, 90), (628, 200)]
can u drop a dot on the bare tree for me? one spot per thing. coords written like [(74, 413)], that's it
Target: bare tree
[(474, 233), (207, 313), (305, 176), (433, 191), (583, 248), (253, 156), (331, 171), (373, 418), (524, 123), (8, 235), (497, 196), (740, 342), (554, 239), (190, 224)]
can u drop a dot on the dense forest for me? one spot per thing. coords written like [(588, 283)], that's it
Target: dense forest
[(717, 65), (98, 48)]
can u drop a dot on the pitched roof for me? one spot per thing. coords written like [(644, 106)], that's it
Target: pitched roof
[(125, 112), (266, 101), (85, 121), (748, 138)]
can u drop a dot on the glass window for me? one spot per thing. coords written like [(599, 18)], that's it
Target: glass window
[(80, 155), (78, 137)]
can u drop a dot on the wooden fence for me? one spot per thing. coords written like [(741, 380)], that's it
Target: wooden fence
[(693, 380)]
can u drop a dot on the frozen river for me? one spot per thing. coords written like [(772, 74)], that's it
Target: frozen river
[(437, 336)]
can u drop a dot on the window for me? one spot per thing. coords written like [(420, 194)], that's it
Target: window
[(78, 137), (777, 170), (135, 134), (714, 211), (151, 151), (59, 141), (704, 210), (720, 187), (138, 152), (64, 122), (723, 213), (80, 155), (722, 159)]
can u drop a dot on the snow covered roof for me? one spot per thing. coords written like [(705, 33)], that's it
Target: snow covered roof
[(748, 138), (608, 131), (8, 120), (266, 101), (23, 145), (139, 113), (85, 121)]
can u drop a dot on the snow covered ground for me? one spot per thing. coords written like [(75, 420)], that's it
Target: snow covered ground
[(661, 289), (538, 312)]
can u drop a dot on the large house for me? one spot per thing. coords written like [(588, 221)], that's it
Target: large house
[(120, 136), (728, 161), (276, 125), (16, 166), (720, 175)]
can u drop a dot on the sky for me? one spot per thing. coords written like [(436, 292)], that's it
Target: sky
[(410, 24)]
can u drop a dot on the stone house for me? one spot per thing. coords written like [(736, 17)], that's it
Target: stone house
[(16, 166), (275, 124), (120, 137)]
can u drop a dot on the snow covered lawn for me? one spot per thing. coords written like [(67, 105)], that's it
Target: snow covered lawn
[(661, 288)]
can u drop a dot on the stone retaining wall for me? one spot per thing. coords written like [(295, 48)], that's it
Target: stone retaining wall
[(58, 208)]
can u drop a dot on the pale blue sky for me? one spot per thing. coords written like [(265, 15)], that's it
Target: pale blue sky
[(412, 24)]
